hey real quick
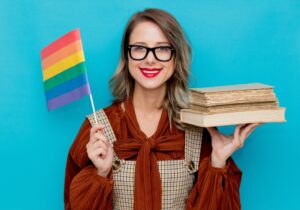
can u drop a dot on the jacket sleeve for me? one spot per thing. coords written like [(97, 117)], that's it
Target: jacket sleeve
[(215, 188), (84, 188)]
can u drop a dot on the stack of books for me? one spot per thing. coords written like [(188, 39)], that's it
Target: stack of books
[(231, 105)]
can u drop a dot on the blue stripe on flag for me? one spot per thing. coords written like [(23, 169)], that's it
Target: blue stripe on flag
[(67, 86)]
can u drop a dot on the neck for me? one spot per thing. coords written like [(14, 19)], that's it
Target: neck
[(148, 100)]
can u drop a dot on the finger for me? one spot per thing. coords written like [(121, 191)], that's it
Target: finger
[(100, 144), (103, 138), (242, 126), (99, 136), (249, 133), (244, 130), (97, 144), (99, 152), (212, 131), (237, 130), (248, 130), (95, 130), (236, 136)]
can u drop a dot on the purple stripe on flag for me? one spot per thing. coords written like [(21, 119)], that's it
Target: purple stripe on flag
[(69, 97)]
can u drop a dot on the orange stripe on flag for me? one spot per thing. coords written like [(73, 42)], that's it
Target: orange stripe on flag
[(61, 54)]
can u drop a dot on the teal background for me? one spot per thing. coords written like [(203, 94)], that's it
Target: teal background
[(233, 42)]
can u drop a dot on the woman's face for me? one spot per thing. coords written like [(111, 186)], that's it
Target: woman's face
[(149, 73)]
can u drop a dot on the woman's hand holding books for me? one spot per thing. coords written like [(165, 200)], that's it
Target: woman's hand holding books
[(223, 146)]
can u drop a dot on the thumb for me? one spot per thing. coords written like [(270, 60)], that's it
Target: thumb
[(212, 130)]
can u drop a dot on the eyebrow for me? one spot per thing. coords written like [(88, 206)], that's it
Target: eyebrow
[(144, 43)]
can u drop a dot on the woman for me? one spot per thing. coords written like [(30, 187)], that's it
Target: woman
[(140, 156)]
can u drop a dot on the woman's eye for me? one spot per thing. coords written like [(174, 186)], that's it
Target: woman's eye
[(138, 48), (163, 49)]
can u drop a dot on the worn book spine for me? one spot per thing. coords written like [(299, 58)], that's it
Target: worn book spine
[(232, 97), (233, 107)]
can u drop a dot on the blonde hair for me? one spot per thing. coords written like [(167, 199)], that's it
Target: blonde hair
[(122, 84)]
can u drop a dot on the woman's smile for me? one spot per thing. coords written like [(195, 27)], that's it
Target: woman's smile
[(150, 72)]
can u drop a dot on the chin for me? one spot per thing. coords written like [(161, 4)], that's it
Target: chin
[(151, 85)]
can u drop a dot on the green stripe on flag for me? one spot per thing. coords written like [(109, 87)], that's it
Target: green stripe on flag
[(65, 76)]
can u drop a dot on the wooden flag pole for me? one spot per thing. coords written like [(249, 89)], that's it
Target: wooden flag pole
[(93, 107)]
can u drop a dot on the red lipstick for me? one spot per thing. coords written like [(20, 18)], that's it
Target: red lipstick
[(150, 72)]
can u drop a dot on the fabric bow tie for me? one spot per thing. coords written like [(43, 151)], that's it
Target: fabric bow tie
[(148, 190)]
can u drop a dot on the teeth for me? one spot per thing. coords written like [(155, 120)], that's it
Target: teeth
[(150, 72)]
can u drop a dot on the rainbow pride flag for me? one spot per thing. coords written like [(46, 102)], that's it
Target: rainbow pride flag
[(64, 70)]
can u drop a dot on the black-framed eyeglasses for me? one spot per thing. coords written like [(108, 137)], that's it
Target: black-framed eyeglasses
[(161, 53)]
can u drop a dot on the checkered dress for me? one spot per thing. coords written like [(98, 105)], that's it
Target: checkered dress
[(177, 176)]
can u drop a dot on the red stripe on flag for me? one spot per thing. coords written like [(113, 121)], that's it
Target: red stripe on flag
[(63, 41)]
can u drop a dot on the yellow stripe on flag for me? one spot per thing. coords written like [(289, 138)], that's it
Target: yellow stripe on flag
[(61, 54), (64, 64)]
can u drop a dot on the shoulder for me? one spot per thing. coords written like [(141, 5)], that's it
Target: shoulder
[(113, 110)]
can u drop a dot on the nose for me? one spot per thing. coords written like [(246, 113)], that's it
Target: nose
[(150, 57)]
